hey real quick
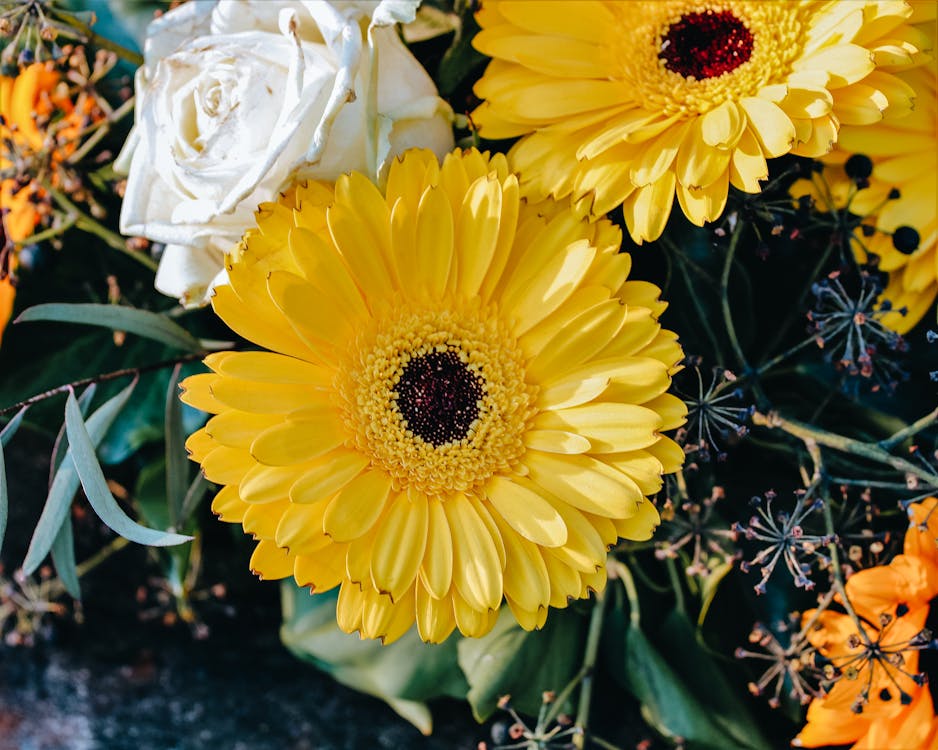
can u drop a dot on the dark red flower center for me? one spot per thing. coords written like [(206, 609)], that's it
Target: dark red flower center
[(438, 396), (706, 45)]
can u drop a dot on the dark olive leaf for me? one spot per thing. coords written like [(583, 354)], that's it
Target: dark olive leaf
[(66, 482), (513, 661), (706, 681), (682, 696), (461, 59), (177, 463), (403, 674), (63, 557), (99, 496), (116, 317)]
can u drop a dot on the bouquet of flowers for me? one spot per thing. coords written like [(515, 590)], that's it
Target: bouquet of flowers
[(550, 352)]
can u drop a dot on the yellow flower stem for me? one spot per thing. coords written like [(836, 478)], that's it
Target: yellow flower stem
[(589, 663), (99, 41), (684, 265), (676, 585), (796, 309), (747, 370), (87, 224), (113, 375), (871, 451)]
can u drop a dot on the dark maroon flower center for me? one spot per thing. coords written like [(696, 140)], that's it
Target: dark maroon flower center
[(706, 45), (438, 396)]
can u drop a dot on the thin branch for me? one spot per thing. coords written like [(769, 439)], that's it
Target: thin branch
[(113, 375)]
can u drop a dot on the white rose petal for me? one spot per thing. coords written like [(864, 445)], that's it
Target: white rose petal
[(238, 99)]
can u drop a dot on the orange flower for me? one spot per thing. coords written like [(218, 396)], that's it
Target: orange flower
[(27, 104), (881, 700)]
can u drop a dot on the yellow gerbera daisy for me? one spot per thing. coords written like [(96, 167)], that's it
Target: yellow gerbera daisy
[(633, 102), (904, 155), (461, 405)]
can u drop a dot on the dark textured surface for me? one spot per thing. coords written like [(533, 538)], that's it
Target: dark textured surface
[(117, 682)]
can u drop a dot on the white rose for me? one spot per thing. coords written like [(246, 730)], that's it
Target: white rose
[(237, 99)]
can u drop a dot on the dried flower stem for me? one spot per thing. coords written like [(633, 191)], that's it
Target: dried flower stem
[(102, 42), (871, 451)]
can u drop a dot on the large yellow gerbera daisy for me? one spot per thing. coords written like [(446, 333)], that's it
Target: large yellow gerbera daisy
[(904, 155), (461, 405), (633, 102)]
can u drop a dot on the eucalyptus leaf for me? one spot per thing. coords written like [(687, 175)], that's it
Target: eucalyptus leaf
[(513, 661), (61, 439), (10, 428), (95, 485), (63, 557), (116, 317), (65, 484), (404, 674), (4, 498), (177, 463)]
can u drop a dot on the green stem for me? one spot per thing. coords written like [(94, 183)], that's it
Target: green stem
[(99, 41), (747, 370), (100, 129), (702, 315), (86, 223), (676, 586), (871, 451), (623, 573), (50, 233), (589, 664), (913, 429)]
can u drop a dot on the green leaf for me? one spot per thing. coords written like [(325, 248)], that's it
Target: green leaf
[(177, 462), (710, 586), (513, 661), (6, 435), (63, 557), (61, 440), (194, 495), (96, 489), (403, 674), (10, 428), (682, 696), (4, 500), (706, 680), (65, 484), (461, 58), (116, 317), (145, 423)]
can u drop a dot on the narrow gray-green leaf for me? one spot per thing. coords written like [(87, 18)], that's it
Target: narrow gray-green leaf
[(194, 494), (10, 428), (4, 500), (61, 441), (144, 323), (65, 484), (63, 558), (177, 463), (95, 485)]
